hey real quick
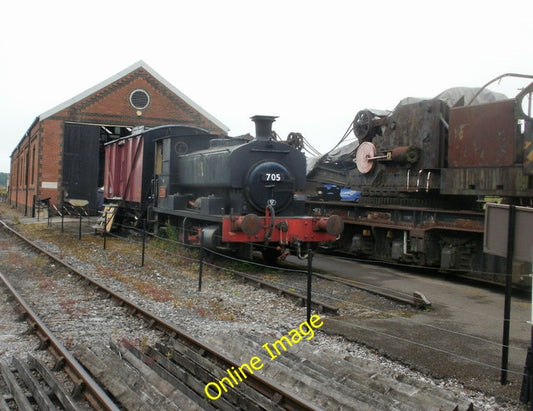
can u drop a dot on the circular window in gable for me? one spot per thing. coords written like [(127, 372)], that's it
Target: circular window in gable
[(139, 99)]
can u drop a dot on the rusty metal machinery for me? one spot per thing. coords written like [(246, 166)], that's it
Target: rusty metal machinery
[(523, 110), (425, 171)]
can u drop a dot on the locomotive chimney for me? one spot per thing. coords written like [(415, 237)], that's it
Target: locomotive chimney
[(263, 126)]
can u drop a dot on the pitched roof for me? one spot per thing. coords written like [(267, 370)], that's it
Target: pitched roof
[(123, 73)]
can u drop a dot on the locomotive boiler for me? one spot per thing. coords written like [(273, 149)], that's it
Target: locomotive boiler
[(230, 194), (425, 171)]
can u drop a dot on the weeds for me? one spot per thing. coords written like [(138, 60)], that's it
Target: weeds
[(41, 261), (152, 291), (45, 283), (220, 312), (69, 306)]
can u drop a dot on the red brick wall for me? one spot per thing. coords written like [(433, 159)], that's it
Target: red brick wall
[(24, 171), (50, 160), (107, 106), (111, 105)]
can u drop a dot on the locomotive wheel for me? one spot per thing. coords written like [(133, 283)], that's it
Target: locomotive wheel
[(270, 254)]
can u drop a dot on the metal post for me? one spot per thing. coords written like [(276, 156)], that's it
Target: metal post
[(530, 350), (508, 289), (201, 268), (144, 242), (530, 374), (529, 360), (527, 380), (105, 229), (309, 281)]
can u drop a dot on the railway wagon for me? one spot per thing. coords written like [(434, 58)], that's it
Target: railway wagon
[(129, 165), (229, 194), (425, 172)]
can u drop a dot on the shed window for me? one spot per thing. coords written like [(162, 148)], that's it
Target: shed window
[(139, 99)]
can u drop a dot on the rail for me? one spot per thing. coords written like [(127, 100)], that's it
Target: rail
[(270, 389), (84, 383)]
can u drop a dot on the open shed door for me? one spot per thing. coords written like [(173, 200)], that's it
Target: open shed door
[(81, 162)]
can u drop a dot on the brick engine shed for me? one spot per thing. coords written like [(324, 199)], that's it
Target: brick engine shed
[(61, 156)]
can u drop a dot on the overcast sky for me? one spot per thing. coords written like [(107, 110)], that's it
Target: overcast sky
[(312, 63)]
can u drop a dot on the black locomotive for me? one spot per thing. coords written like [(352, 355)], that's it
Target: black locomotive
[(225, 193)]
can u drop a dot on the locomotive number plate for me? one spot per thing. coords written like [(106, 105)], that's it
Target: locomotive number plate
[(272, 177)]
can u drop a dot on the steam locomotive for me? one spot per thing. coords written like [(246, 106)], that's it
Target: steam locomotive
[(424, 173), (229, 194)]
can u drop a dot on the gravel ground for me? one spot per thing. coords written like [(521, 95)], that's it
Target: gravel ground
[(224, 310), (13, 339)]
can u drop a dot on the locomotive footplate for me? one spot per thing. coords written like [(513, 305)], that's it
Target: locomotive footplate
[(189, 214), (252, 228), (283, 230)]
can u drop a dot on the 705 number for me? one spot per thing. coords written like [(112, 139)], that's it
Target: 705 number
[(272, 176)]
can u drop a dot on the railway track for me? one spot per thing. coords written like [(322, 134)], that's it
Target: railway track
[(322, 306), (270, 392), (192, 366), (417, 300), (309, 370), (83, 383), (323, 303), (281, 289)]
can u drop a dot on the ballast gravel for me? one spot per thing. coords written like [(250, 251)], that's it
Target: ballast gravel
[(224, 310)]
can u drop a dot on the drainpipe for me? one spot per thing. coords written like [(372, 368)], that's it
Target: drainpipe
[(27, 181)]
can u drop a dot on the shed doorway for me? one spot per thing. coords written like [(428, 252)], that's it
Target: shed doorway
[(84, 159)]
